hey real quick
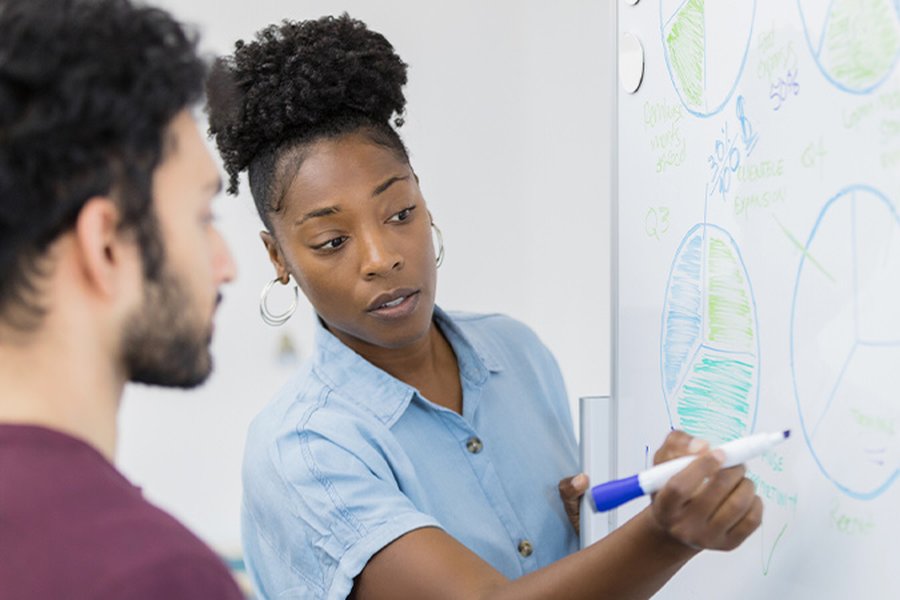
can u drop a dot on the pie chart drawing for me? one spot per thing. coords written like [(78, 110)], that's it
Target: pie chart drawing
[(856, 43), (706, 43), (845, 342), (709, 358)]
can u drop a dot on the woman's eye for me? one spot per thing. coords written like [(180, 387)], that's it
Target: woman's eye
[(332, 244), (403, 214)]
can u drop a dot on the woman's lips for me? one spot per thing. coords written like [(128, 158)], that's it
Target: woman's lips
[(397, 307)]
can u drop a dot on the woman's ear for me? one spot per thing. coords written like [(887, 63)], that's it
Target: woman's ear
[(275, 256)]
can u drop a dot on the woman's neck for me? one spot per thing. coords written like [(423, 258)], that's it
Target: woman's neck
[(427, 364)]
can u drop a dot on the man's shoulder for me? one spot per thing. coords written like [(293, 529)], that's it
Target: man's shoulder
[(74, 527), (180, 573), (142, 551)]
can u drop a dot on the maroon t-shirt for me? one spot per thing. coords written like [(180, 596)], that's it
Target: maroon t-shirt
[(71, 526)]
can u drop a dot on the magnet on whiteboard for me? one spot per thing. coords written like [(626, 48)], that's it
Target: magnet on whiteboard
[(631, 62)]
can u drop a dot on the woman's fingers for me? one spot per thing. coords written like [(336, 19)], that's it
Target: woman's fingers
[(673, 501), (677, 444), (705, 506), (571, 490), (738, 517), (748, 524), (717, 490)]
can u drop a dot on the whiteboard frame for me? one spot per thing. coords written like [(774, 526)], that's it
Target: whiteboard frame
[(614, 235), (597, 417)]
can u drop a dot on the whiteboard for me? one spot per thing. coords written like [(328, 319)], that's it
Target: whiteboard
[(757, 275)]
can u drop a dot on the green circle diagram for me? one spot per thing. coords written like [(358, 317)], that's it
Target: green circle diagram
[(706, 43), (856, 44), (709, 357)]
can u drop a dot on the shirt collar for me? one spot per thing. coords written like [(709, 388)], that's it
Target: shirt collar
[(359, 381)]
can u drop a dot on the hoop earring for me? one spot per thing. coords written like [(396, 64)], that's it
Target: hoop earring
[(267, 316), (440, 254)]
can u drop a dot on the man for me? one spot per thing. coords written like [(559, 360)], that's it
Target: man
[(109, 272)]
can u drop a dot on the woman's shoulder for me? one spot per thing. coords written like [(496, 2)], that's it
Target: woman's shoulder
[(307, 402), (496, 330), (490, 324), (305, 407)]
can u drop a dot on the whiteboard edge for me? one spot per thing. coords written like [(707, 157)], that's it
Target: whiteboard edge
[(613, 37)]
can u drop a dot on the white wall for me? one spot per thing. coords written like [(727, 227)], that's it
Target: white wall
[(508, 126)]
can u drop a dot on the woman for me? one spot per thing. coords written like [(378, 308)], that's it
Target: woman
[(416, 454)]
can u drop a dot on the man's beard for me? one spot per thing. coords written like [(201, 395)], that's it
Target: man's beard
[(165, 342)]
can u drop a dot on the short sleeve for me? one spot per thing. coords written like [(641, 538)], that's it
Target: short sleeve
[(320, 501)]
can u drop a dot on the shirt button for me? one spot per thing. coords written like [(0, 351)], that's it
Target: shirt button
[(525, 548), (474, 445)]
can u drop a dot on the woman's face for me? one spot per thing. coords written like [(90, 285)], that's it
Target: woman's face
[(356, 236)]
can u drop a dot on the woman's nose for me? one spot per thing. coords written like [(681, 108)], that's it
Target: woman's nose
[(378, 259)]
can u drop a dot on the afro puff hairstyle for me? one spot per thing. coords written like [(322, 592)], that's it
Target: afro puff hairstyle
[(296, 83), (87, 90)]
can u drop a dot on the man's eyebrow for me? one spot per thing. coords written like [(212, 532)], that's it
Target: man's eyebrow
[(319, 212), (382, 187)]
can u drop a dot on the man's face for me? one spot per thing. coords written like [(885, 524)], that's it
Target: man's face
[(166, 341)]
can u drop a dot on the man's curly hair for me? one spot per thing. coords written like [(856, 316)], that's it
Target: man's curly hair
[(87, 89), (294, 84)]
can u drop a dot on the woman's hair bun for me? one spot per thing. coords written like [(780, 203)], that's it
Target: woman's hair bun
[(295, 80)]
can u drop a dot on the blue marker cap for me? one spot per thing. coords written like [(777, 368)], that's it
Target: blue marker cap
[(613, 493)]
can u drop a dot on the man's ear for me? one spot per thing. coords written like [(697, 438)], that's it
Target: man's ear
[(275, 256), (103, 250)]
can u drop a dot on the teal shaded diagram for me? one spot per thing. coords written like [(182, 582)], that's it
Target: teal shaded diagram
[(706, 43), (709, 350), (845, 341)]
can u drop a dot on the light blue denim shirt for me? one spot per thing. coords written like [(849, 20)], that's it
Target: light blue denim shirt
[(347, 458)]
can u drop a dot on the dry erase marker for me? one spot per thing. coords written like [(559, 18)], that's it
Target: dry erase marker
[(611, 494)]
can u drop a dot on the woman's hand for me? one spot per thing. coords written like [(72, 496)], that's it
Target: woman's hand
[(703, 506), (571, 489)]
